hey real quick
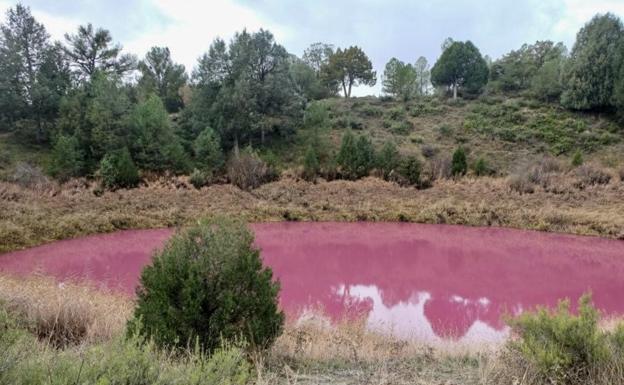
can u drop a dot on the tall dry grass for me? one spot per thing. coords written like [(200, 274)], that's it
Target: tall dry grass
[(66, 313)]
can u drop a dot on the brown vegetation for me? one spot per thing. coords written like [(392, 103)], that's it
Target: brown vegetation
[(34, 216)]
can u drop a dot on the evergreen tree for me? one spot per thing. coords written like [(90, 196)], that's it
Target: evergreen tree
[(594, 65), (207, 149), (66, 158), (459, 164), (161, 76), (461, 66)]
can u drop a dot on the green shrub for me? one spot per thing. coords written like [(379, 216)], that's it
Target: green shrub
[(316, 115), (356, 156), (311, 164), (577, 158), (411, 169), (207, 149), (372, 111), (481, 167), (388, 159), (401, 128), (396, 113), (200, 178), (66, 159), (459, 164), (118, 170), (206, 286), (445, 130), (560, 347)]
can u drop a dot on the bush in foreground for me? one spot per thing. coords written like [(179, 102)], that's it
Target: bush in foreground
[(206, 286), (560, 347)]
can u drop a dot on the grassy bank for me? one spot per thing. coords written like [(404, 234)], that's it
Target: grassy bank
[(54, 330), (72, 333), (31, 216)]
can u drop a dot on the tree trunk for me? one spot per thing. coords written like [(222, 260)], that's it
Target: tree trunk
[(344, 89), (350, 84), (236, 150), (454, 91)]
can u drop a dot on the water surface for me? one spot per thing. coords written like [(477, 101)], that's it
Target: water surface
[(431, 282)]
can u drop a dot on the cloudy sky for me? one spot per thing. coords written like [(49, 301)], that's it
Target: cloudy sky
[(404, 29)]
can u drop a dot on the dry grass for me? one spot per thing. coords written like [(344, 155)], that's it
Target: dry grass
[(66, 313), (306, 353), (30, 217)]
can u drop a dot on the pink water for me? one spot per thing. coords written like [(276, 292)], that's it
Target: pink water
[(432, 282)]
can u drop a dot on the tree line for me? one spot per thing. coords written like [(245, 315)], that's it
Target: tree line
[(99, 108)]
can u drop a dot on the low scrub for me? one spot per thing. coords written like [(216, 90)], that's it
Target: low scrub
[(590, 176), (561, 347)]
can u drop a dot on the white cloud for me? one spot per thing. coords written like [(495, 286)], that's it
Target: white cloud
[(194, 24), (578, 12)]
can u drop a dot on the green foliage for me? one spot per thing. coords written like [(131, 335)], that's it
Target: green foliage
[(209, 285), (547, 83), (481, 167), (577, 158), (350, 67), (594, 64), (207, 149), (245, 90), (66, 158), (311, 164), (96, 113), (161, 76), (33, 76), (563, 348), (154, 144), (518, 70), (117, 169), (411, 169), (91, 51), (403, 127), (459, 164), (200, 178), (316, 115), (356, 156), (396, 113), (399, 79), (460, 66), (388, 159)]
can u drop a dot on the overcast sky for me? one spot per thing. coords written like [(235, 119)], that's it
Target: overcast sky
[(405, 29)]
